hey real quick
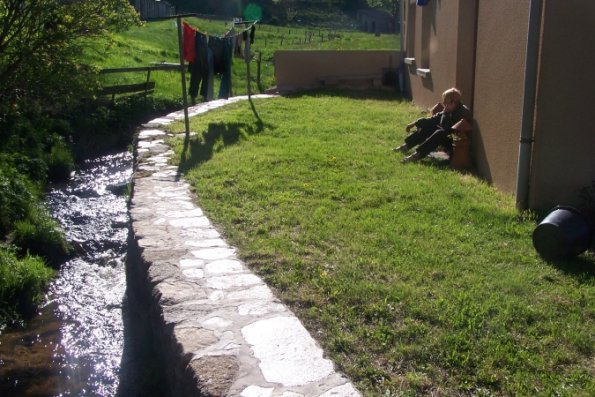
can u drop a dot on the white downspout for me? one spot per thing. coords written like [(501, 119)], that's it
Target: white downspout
[(528, 111)]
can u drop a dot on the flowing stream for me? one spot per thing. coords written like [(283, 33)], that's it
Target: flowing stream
[(76, 345)]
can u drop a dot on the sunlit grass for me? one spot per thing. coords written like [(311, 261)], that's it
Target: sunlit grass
[(416, 279), (23, 280)]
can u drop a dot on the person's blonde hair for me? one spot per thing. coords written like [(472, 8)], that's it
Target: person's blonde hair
[(452, 94)]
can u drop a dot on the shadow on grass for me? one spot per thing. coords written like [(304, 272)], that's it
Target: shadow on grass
[(444, 165), (218, 135), (581, 267)]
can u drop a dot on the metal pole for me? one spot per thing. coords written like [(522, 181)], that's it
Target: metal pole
[(526, 135), (183, 73)]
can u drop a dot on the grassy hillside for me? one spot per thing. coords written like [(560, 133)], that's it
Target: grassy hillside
[(157, 42)]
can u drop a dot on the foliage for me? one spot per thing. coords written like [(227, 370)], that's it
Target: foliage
[(39, 49), (23, 277), (42, 236), (60, 161), (22, 282), (37, 145), (276, 12), (391, 6), (43, 78), (416, 279), (270, 8), (18, 196), (44, 88)]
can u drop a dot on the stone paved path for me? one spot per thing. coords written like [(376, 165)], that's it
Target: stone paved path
[(222, 330)]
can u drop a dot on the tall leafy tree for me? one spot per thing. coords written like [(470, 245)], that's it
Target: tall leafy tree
[(40, 47)]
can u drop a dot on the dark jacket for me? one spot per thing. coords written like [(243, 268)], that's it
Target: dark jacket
[(445, 121)]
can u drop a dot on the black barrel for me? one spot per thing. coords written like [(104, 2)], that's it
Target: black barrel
[(563, 233)]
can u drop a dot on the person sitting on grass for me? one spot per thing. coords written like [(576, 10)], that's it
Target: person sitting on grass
[(435, 130)]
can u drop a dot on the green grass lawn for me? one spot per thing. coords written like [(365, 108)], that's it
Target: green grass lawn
[(416, 279)]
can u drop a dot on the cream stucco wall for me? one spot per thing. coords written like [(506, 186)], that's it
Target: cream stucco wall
[(564, 148), (440, 37), (563, 153), (499, 78), (301, 70)]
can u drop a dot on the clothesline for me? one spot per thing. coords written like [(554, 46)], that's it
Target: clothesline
[(227, 34), (241, 22), (185, 29)]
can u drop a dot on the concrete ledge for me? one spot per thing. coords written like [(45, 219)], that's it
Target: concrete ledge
[(217, 326), (374, 80), (425, 73)]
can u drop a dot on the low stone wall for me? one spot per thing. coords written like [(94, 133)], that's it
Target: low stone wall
[(219, 329), (303, 70)]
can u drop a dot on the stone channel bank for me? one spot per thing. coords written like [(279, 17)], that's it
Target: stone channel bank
[(218, 328)]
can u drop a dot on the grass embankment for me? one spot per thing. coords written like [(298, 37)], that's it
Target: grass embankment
[(30, 240), (416, 279)]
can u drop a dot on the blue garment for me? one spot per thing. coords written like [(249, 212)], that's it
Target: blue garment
[(222, 48), (199, 68), (422, 2)]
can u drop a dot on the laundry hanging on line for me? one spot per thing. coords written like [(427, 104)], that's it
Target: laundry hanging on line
[(199, 69), (209, 56), (188, 36)]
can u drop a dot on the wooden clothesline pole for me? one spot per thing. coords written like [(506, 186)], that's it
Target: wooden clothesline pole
[(183, 73), (247, 56)]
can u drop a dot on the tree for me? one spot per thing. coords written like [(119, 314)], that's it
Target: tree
[(40, 47), (391, 6)]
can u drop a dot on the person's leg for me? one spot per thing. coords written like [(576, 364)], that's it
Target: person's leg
[(414, 139), (437, 138)]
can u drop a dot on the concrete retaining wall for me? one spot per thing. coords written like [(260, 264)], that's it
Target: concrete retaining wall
[(302, 70)]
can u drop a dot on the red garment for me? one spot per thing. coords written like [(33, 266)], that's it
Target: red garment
[(188, 40)]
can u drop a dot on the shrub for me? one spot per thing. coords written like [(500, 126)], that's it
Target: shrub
[(35, 169), (41, 235), (60, 162), (22, 283), (35, 146), (17, 197)]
